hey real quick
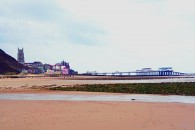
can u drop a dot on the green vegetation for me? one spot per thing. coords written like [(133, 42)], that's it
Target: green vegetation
[(136, 88)]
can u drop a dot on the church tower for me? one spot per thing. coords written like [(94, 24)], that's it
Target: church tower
[(20, 56)]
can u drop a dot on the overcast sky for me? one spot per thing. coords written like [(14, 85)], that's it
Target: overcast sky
[(101, 35)]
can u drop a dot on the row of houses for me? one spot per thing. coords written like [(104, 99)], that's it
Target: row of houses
[(37, 67), (40, 68)]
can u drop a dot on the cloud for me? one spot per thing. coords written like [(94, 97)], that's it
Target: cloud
[(180, 7), (82, 33), (101, 35), (43, 22)]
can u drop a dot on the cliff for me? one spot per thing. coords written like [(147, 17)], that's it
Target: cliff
[(9, 65)]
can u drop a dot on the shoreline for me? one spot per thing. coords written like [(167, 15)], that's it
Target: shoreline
[(98, 97)]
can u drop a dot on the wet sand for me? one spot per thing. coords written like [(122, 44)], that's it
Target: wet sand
[(61, 115), (87, 115)]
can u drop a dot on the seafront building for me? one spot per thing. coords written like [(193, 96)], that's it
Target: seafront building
[(59, 68), (163, 71), (38, 67)]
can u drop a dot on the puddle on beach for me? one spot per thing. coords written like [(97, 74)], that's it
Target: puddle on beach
[(125, 98)]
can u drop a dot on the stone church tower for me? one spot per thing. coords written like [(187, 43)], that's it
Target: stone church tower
[(20, 56)]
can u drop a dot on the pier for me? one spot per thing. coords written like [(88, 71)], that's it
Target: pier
[(136, 73)]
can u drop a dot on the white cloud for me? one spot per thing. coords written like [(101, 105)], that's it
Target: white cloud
[(180, 7)]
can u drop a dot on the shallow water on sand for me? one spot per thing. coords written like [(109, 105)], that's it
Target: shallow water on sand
[(127, 98)]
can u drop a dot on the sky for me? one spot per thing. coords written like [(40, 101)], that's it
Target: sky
[(101, 35)]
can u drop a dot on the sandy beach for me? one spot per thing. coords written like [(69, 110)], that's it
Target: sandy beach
[(60, 115), (87, 115)]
